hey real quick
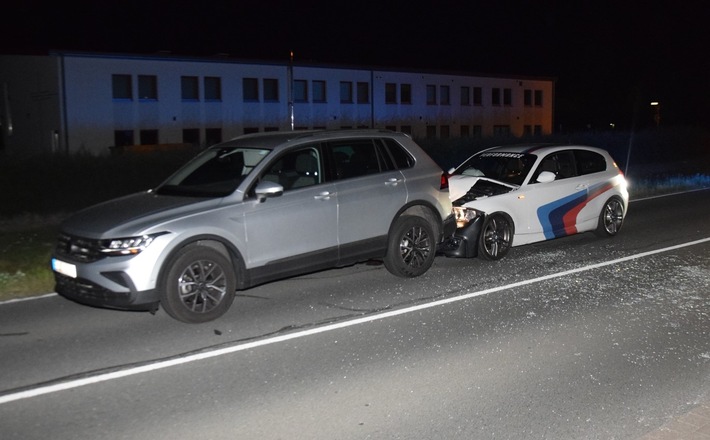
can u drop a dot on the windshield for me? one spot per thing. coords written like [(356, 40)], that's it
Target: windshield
[(216, 172), (511, 168)]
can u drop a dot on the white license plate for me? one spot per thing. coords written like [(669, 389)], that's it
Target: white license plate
[(64, 268)]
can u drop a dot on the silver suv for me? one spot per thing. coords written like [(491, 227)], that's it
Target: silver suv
[(254, 209)]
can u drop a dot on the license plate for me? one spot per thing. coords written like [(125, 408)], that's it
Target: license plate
[(64, 268)]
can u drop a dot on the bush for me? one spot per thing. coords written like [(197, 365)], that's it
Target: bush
[(55, 183), (58, 183)]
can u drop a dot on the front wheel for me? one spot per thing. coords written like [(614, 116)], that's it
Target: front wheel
[(199, 286), (610, 218), (411, 247), (496, 237)]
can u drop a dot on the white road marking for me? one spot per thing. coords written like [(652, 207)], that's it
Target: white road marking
[(159, 365), (29, 298)]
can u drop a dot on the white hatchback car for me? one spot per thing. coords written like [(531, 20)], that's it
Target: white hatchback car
[(514, 195)]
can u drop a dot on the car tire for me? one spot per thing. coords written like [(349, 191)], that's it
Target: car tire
[(199, 285), (496, 237), (611, 218), (411, 247)]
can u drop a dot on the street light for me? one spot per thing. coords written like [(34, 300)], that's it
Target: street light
[(657, 112)]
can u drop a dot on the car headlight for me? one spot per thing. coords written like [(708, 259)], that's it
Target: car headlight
[(128, 245), (464, 215)]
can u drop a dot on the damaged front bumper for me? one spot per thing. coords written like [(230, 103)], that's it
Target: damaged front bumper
[(464, 241)]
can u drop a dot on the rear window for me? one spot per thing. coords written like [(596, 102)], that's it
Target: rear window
[(589, 162), (402, 159)]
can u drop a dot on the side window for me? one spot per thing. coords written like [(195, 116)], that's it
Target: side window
[(402, 159), (589, 162), (356, 157), (296, 169), (561, 164)]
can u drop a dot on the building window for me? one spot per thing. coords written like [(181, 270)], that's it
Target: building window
[(390, 93), (319, 91), (477, 131), (213, 88), (501, 130), (346, 92), (391, 127), (465, 131), (190, 88), (363, 93), (405, 93), (477, 96), (300, 90), (191, 136), (149, 137), (213, 136), (538, 98), (527, 98), (495, 96), (537, 131), (465, 95), (148, 87), (251, 89), (271, 129), (527, 130), (122, 88), (445, 131), (507, 97), (445, 99), (431, 95), (250, 130), (271, 90), (431, 131), (123, 138)]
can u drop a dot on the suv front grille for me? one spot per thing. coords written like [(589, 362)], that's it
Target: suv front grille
[(79, 249)]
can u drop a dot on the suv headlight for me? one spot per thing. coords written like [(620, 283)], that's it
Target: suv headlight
[(128, 245), (464, 215)]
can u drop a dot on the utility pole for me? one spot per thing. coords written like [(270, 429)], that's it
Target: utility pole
[(290, 90)]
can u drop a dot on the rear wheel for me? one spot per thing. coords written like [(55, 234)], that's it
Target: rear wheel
[(411, 247), (496, 237), (611, 218), (199, 286)]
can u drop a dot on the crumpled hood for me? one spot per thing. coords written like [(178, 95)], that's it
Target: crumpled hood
[(466, 189), (131, 215)]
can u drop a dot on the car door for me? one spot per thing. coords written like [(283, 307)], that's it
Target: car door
[(553, 207), (299, 227), (370, 193)]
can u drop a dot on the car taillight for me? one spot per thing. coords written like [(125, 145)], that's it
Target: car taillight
[(444, 181)]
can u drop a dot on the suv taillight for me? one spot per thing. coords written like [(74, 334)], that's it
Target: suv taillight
[(444, 181)]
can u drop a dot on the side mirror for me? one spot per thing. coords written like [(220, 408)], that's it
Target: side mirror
[(451, 171), (546, 177), (266, 189)]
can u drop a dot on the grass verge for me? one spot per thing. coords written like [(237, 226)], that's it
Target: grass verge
[(25, 250)]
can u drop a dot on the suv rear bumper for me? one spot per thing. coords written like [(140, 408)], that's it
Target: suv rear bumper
[(92, 294)]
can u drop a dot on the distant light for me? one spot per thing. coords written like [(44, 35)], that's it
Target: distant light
[(612, 125), (655, 103)]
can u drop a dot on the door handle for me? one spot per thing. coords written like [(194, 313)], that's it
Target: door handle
[(582, 186), (393, 181), (325, 195)]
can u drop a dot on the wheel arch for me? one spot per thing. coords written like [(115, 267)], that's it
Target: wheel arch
[(509, 218), (422, 209), (217, 243)]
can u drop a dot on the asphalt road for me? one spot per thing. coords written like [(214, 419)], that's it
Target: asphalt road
[(578, 338)]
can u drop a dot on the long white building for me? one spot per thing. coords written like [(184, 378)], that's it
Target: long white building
[(70, 102)]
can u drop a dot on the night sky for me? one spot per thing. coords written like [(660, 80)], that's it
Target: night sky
[(610, 59)]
